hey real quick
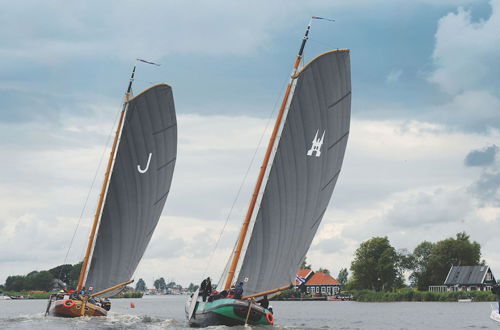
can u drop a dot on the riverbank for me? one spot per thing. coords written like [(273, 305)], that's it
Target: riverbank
[(415, 295), (46, 295)]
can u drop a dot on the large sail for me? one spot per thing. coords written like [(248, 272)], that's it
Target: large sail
[(139, 185), (303, 174)]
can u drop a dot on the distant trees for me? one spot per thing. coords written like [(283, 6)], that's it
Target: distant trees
[(342, 277), (33, 281), (160, 284), (431, 262), (304, 264), (192, 287), (378, 266), (44, 280), (323, 270), (141, 285), (375, 265)]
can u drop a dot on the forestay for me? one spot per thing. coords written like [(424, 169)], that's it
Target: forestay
[(303, 174), (139, 185)]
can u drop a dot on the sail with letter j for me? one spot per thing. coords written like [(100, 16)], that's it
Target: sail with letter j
[(136, 185)]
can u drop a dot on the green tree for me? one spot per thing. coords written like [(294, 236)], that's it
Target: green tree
[(38, 281), (323, 270), (62, 272), (14, 283), (304, 264), (342, 277), (141, 285), (459, 251), (160, 284), (374, 265), (192, 287), (419, 264), (75, 275)]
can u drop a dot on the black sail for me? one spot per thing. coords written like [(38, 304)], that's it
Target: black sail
[(303, 174), (139, 185)]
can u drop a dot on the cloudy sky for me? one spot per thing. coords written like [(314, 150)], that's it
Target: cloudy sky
[(422, 161)]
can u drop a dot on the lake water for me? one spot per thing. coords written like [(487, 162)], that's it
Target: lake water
[(167, 312)]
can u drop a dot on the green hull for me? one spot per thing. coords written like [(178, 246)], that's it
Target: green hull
[(229, 312)]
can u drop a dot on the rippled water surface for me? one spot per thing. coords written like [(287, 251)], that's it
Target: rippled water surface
[(167, 312)]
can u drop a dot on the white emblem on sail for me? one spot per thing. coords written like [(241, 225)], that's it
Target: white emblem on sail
[(316, 145), (142, 171)]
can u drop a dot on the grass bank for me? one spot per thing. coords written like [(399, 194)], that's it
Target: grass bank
[(46, 295), (415, 295), (27, 294), (130, 295)]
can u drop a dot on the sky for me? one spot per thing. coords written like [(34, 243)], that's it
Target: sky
[(422, 160)]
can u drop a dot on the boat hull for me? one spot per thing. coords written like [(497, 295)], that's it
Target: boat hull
[(73, 308), (229, 312)]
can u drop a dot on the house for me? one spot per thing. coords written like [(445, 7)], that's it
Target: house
[(469, 278), (317, 283)]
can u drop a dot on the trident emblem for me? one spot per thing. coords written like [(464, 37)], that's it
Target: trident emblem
[(316, 144), (142, 171)]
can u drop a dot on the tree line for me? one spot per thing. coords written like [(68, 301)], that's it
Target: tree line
[(378, 266), (161, 285), (45, 280)]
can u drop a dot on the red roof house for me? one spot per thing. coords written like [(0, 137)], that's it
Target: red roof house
[(317, 283)]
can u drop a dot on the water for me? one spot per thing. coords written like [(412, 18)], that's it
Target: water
[(167, 312)]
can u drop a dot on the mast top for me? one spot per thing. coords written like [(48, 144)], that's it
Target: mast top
[(129, 89)]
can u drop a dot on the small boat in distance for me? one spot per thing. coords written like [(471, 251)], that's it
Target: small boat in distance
[(136, 184), (296, 181)]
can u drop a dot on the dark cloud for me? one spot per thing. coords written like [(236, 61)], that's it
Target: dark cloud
[(487, 188), (483, 157)]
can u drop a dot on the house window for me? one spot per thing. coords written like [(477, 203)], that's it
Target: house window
[(307, 289), (488, 277), (329, 290), (317, 289), (322, 289)]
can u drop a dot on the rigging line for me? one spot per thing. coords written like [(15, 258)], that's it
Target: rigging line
[(90, 190), (270, 116)]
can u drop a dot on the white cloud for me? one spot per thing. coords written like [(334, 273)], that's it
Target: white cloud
[(466, 52)]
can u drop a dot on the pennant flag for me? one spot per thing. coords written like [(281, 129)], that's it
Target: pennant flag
[(326, 19), (144, 61), (300, 279)]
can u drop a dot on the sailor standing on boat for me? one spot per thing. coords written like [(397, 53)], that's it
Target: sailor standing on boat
[(206, 288)]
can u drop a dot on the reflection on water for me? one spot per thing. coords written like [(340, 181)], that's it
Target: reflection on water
[(167, 312)]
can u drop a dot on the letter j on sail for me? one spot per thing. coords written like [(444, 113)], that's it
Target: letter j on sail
[(142, 171)]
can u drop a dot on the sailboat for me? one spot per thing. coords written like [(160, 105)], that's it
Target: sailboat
[(136, 184), (300, 169)]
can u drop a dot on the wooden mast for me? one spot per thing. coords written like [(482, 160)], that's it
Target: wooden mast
[(263, 168), (83, 271)]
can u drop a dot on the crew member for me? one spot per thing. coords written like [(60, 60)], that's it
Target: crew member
[(238, 292)]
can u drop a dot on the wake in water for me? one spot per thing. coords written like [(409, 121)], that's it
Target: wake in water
[(112, 321)]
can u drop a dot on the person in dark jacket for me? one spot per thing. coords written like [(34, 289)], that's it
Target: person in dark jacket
[(208, 288), (238, 291), (264, 302), (203, 287)]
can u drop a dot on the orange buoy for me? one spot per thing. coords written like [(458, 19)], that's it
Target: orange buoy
[(132, 305)]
